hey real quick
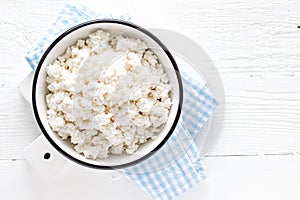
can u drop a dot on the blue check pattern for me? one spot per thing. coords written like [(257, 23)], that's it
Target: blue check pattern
[(69, 16), (177, 166)]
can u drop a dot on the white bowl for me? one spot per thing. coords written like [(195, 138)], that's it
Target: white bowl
[(69, 38)]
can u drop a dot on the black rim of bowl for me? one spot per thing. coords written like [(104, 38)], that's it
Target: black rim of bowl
[(57, 147)]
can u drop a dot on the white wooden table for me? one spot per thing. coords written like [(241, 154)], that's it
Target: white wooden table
[(256, 48)]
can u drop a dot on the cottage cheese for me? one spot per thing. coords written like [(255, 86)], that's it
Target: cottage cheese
[(107, 95)]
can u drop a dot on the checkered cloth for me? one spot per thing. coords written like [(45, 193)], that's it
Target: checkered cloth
[(69, 16), (176, 167)]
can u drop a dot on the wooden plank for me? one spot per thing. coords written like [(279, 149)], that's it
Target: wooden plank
[(259, 121), (262, 117), (245, 177), (255, 46), (244, 38)]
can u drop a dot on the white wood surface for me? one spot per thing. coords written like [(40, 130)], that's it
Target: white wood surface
[(255, 46)]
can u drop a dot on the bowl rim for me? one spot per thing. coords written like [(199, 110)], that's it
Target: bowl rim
[(56, 146)]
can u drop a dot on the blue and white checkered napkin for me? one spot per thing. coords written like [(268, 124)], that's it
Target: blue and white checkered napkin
[(176, 167)]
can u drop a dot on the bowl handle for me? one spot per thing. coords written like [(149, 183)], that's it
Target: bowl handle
[(49, 163), (44, 158), (40, 154)]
